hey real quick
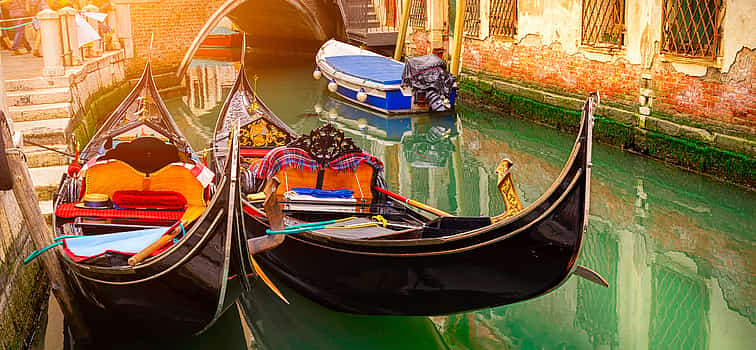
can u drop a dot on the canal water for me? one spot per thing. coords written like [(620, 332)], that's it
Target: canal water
[(678, 249)]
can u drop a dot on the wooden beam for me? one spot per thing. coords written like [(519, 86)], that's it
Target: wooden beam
[(26, 198)]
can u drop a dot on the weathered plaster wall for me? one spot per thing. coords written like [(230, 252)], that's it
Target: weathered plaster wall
[(692, 112), (552, 21), (547, 54), (739, 30)]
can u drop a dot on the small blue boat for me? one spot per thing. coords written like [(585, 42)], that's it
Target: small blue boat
[(421, 85)]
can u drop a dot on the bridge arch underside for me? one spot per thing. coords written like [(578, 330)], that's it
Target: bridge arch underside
[(282, 22)]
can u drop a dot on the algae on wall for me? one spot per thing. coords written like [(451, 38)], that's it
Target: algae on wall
[(691, 154), (99, 107), (23, 288)]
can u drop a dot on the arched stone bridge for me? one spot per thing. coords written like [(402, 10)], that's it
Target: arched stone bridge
[(179, 25)]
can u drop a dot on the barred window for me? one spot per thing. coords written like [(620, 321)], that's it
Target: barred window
[(691, 28), (603, 23), (417, 14), (503, 18), (472, 18)]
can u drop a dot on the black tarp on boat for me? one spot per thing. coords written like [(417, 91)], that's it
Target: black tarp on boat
[(427, 74)]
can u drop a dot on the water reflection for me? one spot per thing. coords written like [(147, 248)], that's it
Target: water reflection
[(677, 248), (306, 325)]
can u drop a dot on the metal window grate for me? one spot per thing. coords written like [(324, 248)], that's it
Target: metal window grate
[(417, 14), (503, 18), (472, 18), (691, 28), (603, 23)]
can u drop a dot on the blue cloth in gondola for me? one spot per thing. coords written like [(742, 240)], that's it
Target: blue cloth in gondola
[(374, 68), (317, 193), (130, 242)]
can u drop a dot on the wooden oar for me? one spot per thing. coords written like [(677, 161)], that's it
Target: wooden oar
[(164, 239), (267, 242), (413, 202)]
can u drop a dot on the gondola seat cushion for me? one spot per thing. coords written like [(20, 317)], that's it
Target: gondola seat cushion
[(132, 199), (110, 176), (70, 211)]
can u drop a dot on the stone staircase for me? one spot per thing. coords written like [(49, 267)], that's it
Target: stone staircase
[(41, 110), (363, 26)]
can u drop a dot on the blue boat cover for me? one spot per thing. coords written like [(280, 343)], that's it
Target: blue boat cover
[(374, 68), (130, 242)]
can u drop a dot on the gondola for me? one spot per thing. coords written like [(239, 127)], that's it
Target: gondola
[(370, 251), (145, 230)]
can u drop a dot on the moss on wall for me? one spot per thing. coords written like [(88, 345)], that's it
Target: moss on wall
[(97, 108), (27, 294), (690, 154)]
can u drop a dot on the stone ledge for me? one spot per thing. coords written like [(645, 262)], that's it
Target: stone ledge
[(663, 126), (727, 157)]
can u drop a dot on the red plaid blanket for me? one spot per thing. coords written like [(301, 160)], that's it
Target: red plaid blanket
[(283, 157)]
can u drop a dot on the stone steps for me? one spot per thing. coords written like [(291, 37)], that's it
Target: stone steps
[(37, 157), (45, 132), (46, 180), (39, 97), (36, 83), (58, 110)]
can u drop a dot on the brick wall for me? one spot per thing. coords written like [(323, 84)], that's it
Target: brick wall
[(724, 101), (724, 97), (174, 23)]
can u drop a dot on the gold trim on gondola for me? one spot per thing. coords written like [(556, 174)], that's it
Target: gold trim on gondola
[(261, 133), (508, 191)]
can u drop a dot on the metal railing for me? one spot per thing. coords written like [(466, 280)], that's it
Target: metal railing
[(603, 23), (692, 28)]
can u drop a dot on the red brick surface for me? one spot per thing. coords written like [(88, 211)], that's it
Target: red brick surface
[(174, 23), (726, 98)]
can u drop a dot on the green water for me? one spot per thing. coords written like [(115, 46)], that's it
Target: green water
[(678, 249)]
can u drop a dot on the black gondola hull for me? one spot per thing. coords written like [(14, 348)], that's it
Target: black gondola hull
[(504, 262), (180, 291), (434, 280)]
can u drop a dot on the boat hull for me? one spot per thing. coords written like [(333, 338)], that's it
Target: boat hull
[(178, 291), (181, 290), (488, 262), (482, 271), (386, 98)]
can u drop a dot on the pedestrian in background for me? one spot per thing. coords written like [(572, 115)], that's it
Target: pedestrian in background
[(18, 9), (5, 42)]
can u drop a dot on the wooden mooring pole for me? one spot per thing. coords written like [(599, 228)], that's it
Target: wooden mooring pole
[(402, 30), (23, 191)]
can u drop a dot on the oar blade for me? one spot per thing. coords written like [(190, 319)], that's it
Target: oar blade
[(266, 280), (590, 275)]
